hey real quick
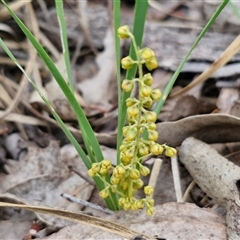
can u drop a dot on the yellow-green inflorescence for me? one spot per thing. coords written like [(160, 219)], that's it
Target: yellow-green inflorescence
[(126, 177)]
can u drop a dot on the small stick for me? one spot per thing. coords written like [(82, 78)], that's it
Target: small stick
[(176, 179), (189, 188), (155, 171), (86, 203)]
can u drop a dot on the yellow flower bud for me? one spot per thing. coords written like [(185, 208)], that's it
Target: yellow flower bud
[(123, 32), (133, 111), (138, 183), (156, 94), (131, 101), (151, 64), (95, 167), (127, 85), (131, 135), (153, 135), (127, 62), (103, 171), (150, 211), (91, 173), (114, 180), (126, 205), (121, 201), (151, 116), (143, 150), (104, 193), (148, 190), (156, 149), (119, 170), (144, 171), (134, 174), (147, 103), (152, 126), (150, 202), (106, 164), (148, 79), (170, 152), (124, 185), (145, 91), (139, 204), (147, 53)]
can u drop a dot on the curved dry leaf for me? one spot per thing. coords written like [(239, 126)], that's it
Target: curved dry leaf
[(211, 128), (217, 176)]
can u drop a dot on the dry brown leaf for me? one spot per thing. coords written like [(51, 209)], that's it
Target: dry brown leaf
[(211, 128), (216, 176)]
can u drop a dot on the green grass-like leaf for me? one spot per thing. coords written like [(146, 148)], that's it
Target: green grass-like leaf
[(64, 40), (89, 137)]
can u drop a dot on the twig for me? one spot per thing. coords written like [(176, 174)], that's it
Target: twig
[(86, 203), (176, 179), (189, 188), (155, 171)]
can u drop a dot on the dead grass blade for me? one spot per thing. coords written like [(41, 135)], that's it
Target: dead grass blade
[(80, 218), (231, 50)]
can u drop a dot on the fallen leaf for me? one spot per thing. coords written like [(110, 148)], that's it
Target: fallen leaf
[(211, 128)]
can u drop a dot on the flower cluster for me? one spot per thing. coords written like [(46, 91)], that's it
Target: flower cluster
[(126, 177)]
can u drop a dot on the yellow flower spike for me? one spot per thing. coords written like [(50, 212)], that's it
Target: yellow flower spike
[(156, 94), (170, 152), (147, 54), (127, 85), (106, 164), (123, 32), (127, 62), (133, 111), (145, 91), (148, 79), (143, 150), (144, 171), (151, 64), (153, 135), (134, 174), (148, 190), (151, 116), (150, 211), (104, 193), (156, 149)]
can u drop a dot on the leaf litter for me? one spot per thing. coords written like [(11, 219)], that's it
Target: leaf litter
[(40, 175)]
